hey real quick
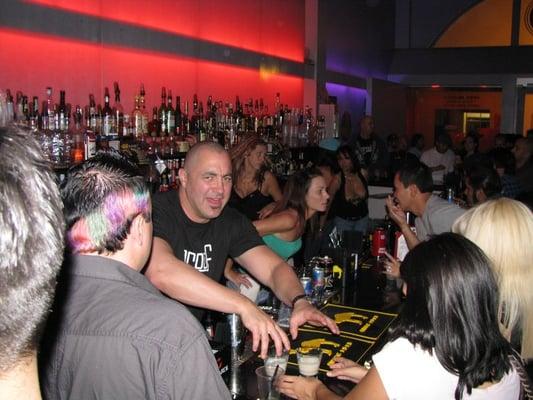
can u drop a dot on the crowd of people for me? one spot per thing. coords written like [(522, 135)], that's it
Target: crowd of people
[(136, 273)]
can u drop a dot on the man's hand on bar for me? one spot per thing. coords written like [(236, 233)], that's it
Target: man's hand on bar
[(262, 327), (305, 312)]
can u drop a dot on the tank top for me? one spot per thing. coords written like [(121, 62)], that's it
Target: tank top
[(282, 248), (340, 207), (249, 205)]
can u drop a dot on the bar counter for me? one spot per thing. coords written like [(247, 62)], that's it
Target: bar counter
[(377, 301)]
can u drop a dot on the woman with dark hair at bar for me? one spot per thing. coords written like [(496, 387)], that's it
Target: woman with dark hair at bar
[(349, 191), (445, 343), (304, 196)]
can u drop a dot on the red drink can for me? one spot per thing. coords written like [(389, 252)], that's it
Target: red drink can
[(379, 242)]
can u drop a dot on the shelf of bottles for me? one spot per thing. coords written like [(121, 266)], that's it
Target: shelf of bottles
[(158, 141)]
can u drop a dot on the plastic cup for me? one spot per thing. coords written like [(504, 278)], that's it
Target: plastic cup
[(266, 388), (273, 360), (309, 360)]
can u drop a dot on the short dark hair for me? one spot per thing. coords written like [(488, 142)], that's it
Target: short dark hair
[(444, 138), (414, 172), (504, 158), (486, 179), (451, 310), (102, 196), (31, 243)]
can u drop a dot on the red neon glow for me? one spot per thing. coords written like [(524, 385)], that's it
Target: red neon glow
[(31, 62), (274, 27), (435, 86)]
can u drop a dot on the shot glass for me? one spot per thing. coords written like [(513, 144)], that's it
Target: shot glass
[(309, 360), (266, 383)]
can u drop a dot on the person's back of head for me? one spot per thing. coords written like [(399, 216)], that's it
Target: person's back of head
[(414, 172), (101, 197), (503, 229), (504, 161), (484, 183), (31, 245), (450, 310)]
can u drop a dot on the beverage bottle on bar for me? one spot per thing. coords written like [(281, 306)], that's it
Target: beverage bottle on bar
[(178, 120), (34, 115), (92, 114), (108, 118), (137, 119), (10, 107), (153, 126), (144, 112), (118, 111), (48, 110), (78, 140), (171, 118), (62, 115), (162, 114)]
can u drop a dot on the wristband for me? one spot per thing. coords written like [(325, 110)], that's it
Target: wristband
[(299, 297)]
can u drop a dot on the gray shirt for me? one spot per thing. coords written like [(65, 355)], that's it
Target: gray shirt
[(438, 217), (118, 337)]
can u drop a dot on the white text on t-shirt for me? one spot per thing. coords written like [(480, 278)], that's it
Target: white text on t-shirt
[(200, 261)]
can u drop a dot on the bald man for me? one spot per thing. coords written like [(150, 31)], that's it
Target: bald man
[(194, 234)]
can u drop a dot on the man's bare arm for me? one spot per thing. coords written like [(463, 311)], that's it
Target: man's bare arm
[(182, 282)]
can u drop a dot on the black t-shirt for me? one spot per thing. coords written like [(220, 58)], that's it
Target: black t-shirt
[(204, 246)]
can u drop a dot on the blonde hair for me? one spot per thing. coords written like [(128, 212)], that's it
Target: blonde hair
[(503, 229)]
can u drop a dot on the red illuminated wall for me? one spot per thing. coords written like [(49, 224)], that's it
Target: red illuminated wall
[(31, 61)]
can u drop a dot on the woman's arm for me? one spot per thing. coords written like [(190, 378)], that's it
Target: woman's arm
[(280, 222), (298, 387), (271, 187)]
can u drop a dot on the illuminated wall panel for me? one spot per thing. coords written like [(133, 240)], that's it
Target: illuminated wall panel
[(486, 24), (273, 27), (351, 100), (31, 60)]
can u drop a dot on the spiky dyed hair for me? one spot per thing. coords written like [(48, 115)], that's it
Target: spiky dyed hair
[(102, 196)]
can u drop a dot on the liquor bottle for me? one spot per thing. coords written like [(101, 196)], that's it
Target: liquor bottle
[(118, 111), (153, 126), (89, 143), (10, 107), (62, 115), (48, 110), (78, 143), (108, 118), (178, 117), (171, 119), (34, 115), (145, 116), (93, 116), (162, 113), (137, 119)]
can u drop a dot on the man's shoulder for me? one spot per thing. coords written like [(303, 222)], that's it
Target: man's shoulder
[(442, 214), (118, 308)]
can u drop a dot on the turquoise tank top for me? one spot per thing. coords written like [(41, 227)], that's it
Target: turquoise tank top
[(281, 247)]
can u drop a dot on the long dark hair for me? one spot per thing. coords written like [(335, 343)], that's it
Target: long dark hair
[(348, 152), (451, 309), (294, 193)]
